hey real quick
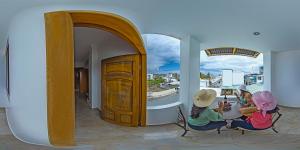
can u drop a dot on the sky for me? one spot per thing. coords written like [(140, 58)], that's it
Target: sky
[(163, 56), (163, 53), (237, 63)]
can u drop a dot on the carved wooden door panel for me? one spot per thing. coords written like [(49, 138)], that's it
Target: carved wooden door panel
[(84, 81), (120, 90)]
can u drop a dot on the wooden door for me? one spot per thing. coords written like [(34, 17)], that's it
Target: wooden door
[(120, 90), (84, 81)]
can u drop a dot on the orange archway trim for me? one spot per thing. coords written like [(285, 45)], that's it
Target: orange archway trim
[(60, 66), (111, 22)]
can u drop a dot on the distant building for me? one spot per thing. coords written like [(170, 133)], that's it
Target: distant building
[(204, 83), (232, 78), (261, 70), (238, 78), (254, 79), (173, 75), (176, 76), (260, 79), (167, 79), (170, 75), (150, 76), (227, 77)]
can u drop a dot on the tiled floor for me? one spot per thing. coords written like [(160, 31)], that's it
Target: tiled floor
[(93, 133)]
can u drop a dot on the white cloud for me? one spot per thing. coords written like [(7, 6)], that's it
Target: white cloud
[(161, 50), (238, 63)]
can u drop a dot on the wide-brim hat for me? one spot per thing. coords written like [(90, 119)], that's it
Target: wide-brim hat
[(244, 88), (204, 97), (264, 100)]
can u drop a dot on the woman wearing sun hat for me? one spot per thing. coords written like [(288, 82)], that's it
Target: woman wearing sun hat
[(202, 117), (264, 101), (244, 93)]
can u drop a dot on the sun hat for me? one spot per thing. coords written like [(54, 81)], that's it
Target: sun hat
[(204, 97), (243, 88), (264, 101)]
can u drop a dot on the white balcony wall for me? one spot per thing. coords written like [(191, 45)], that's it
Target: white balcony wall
[(189, 71)]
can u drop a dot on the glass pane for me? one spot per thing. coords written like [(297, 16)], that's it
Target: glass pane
[(163, 64), (231, 71)]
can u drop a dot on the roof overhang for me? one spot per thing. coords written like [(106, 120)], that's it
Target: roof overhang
[(231, 51)]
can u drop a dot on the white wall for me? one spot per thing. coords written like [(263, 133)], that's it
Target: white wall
[(3, 92), (286, 77), (98, 51), (27, 114), (94, 76), (268, 70), (80, 65), (189, 71)]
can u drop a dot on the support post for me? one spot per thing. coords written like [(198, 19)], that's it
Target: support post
[(189, 71)]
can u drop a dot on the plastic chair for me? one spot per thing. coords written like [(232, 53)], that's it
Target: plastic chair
[(184, 125), (182, 119), (275, 117)]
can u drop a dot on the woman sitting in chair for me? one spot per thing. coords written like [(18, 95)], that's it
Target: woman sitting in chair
[(245, 97), (249, 107), (202, 117), (264, 101), (241, 96)]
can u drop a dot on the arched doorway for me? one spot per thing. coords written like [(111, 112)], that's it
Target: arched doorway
[(60, 64)]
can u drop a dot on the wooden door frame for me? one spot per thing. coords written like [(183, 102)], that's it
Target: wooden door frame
[(113, 23)]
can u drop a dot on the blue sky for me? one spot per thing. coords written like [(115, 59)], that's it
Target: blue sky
[(237, 63), (163, 53), (163, 56)]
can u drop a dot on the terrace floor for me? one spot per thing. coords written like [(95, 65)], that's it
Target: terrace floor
[(93, 133)]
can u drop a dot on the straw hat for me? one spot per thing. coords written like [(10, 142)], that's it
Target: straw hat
[(243, 88), (204, 98)]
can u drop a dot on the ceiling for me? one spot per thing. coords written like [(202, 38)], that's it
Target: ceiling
[(103, 40), (215, 23)]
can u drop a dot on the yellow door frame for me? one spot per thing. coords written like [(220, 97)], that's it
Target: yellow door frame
[(60, 64)]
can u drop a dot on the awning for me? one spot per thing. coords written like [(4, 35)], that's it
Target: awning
[(231, 51)]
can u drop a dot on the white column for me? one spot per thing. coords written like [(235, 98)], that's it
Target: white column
[(267, 70), (94, 77), (189, 71)]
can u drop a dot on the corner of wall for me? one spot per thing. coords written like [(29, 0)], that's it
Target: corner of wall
[(189, 70), (267, 60)]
